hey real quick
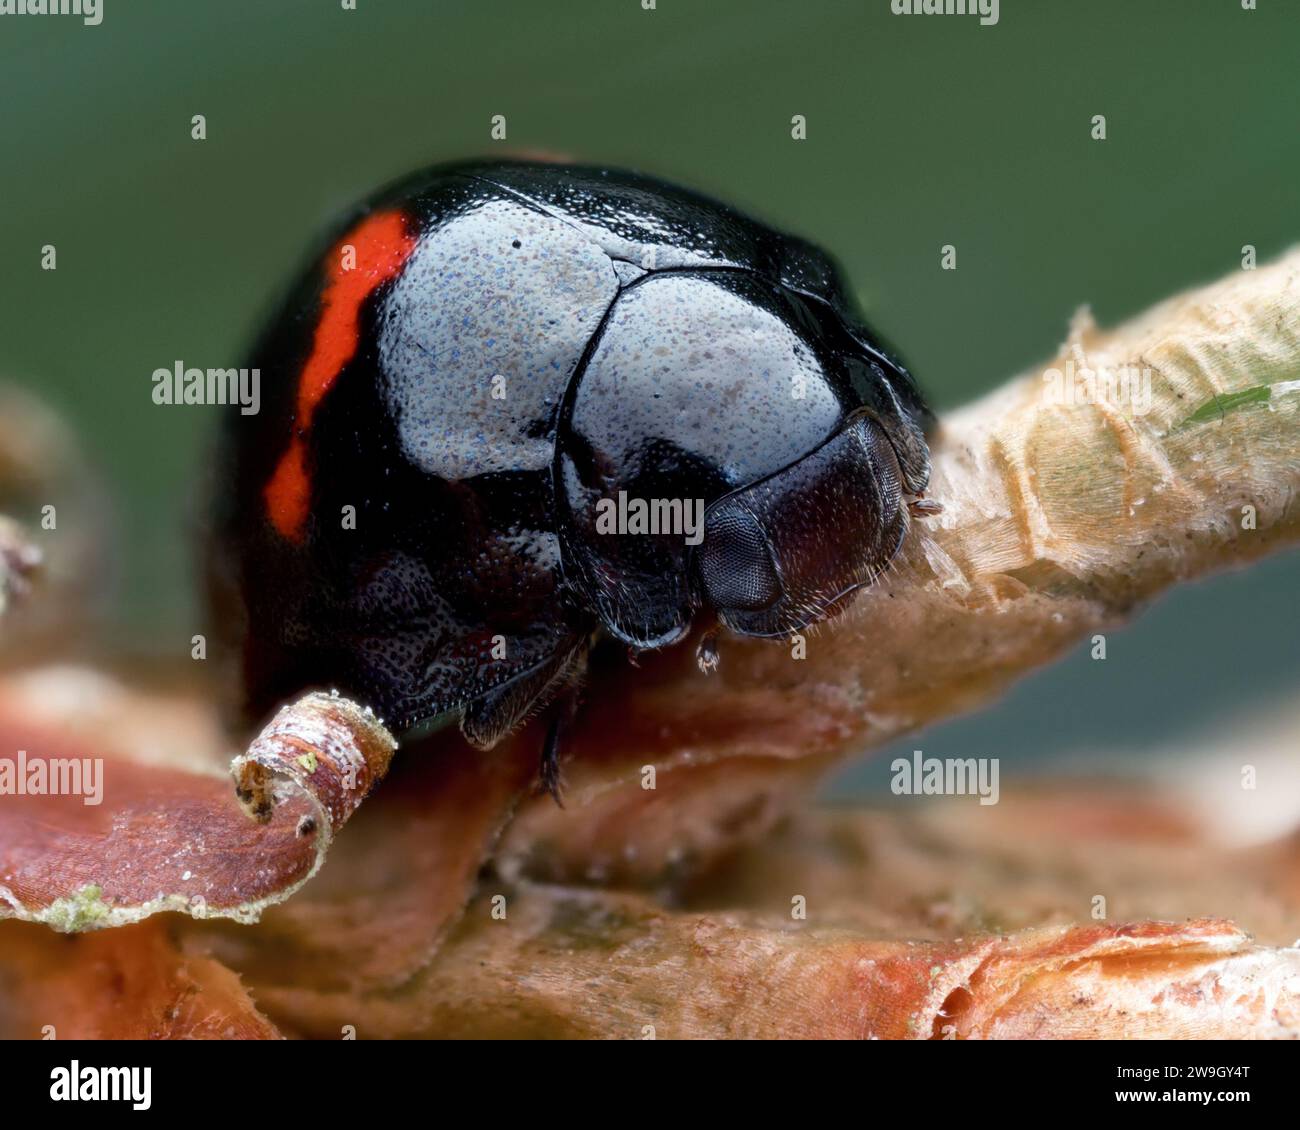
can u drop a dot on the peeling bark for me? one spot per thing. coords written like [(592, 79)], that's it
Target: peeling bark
[(121, 839)]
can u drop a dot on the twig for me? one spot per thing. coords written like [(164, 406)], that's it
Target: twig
[(1060, 519)]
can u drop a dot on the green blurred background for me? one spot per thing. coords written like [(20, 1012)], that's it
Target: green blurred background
[(921, 131)]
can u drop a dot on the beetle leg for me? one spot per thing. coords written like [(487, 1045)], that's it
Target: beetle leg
[(550, 768), (924, 507), (549, 773)]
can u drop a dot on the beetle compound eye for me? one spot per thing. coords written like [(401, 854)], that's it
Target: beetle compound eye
[(735, 565)]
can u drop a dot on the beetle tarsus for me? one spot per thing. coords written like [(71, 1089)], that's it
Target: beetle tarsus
[(549, 771)]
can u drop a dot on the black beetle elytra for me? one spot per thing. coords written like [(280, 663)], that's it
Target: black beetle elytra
[(515, 405)]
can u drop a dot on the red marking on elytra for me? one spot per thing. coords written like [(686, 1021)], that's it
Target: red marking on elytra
[(382, 246)]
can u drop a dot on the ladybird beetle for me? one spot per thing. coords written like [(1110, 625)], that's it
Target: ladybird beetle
[(480, 389)]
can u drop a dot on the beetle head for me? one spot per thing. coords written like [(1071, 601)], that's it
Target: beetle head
[(791, 549)]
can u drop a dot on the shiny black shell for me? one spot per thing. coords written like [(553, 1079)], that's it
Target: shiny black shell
[(412, 521)]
